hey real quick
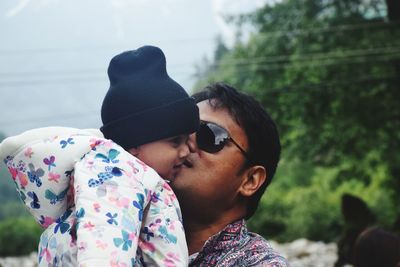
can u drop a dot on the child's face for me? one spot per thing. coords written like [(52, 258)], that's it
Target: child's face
[(165, 156)]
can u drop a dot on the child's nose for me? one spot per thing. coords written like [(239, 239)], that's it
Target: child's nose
[(191, 142), (184, 150)]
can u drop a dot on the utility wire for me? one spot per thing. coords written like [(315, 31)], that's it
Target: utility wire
[(319, 86), (12, 52), (284, 89), (262, 65), (71, 80), (283, 60), (313, 56), (338, 28), (51, 117), (54, 72)]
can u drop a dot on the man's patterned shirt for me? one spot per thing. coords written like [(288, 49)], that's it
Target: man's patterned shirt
[(236, 246)]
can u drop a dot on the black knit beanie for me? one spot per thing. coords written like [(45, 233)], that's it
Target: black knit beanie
[(143, 103)]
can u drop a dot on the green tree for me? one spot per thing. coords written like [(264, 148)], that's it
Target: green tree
[(328, 72), (19, 236), (11, 206)]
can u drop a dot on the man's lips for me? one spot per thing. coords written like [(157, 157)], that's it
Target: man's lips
[(187, 164)]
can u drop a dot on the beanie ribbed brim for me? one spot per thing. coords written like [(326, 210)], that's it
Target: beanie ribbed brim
[(176, 120)]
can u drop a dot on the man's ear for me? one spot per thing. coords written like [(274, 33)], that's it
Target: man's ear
[(254, 178), (134, 151)]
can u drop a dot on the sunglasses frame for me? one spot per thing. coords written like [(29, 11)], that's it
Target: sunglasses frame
[(228, 139)]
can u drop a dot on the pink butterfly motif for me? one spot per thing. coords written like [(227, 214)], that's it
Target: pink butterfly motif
[(89, 165), (23, 179), (94, 142), (50, 161), (114, 262), (46, 253), (14, 172), (171, 260), (101, 245), (82, 246), (54, 177), (28, 152), (132, 236), (171, 226), (45, 221), (88, 226), (147, 246), (108, 143), (96, 207), (134, 169), (123, 202)]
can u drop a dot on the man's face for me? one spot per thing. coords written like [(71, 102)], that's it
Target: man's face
[(208, 185)]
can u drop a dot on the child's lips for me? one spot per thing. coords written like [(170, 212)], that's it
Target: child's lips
[(178, 166)]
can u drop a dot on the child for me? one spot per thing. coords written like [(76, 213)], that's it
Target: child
[(100, 204)]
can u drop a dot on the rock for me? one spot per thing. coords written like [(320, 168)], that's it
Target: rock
[(24, 261), (299, 253), (305, 253)]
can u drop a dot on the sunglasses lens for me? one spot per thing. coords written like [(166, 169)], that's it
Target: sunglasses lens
[(211, 138)]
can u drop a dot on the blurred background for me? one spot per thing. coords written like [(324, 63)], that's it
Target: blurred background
[(326, 70)]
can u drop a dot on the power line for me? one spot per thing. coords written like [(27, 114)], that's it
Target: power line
[(244, 69), (71, 80), (319, 86), (255, 65), (55, 72), (51, 117), (284, 89), (313, 56), (350, 61), (9, 52), (321, 56), (338, 28)]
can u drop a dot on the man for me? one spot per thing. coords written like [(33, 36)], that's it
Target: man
[(233, 158)]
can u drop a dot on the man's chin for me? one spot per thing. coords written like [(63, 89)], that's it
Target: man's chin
[(180, 175), (183, 172)]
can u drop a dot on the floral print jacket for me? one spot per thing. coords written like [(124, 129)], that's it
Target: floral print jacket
[(99, 205)]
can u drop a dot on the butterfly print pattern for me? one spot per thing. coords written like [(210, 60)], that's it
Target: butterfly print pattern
[(90, 195)]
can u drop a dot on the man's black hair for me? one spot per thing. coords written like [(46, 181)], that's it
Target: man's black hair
[(263, 139)]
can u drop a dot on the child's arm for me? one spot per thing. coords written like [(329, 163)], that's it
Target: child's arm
[(41, 162), (162, 240), (109, 203), (119, 201)]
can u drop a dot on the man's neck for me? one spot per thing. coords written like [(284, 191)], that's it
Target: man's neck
[(198, 233)]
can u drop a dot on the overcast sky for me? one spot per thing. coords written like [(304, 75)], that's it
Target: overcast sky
[(54, 53)]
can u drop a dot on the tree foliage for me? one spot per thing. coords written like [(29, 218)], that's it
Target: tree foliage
[(11, 206), (19, 236), (328, 72)]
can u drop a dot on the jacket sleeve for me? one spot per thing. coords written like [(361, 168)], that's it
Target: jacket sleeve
[(110, 201), (119, 202), (162, 240), (41, 163)]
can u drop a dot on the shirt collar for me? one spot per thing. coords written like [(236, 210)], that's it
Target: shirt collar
[(232, 235)]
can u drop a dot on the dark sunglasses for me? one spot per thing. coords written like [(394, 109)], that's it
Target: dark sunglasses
[(212, 138)]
